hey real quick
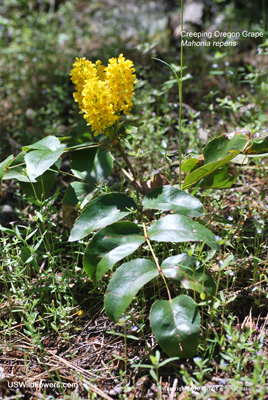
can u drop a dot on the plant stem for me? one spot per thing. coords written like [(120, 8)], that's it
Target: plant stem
[(180, 96), (264, 18), (125, 157), (156, 260), (125, 343), (122, 169)]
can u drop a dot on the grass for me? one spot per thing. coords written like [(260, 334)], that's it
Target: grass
[(53, 326)]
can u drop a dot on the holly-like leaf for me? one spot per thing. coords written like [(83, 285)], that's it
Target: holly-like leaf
[(43, 184), (219, 147), (34, 187), (183, 268), (191, 164), (49, 143), (125, 284), (207, 169), (219, 179), (179, 228), (103, 211), (92, 165), (175, 325), (218, 152), (16, 170), (259, 146), (39, 161), (170, 198), (111, 245)]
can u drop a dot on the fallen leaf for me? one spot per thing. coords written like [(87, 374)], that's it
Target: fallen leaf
[(144, 187)]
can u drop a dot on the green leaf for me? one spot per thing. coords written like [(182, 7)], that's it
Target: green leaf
[(111, 245), (219, 179), (219, 147), (191, 164), (175, 325), (218, 152), (170, 198), (178, 228), (49, 143), (16, 169), (76, 192), (39, 161), (34, 188), (7, 231), (207, 169), (92, 165), (259, 146), (3, 166), (183, 268), (125, 284), (103, 211)]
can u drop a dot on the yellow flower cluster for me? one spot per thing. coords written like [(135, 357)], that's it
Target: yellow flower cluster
[(103, 92)]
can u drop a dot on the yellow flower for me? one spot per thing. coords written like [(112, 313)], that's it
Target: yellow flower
[(83, 70), (97, 106), (103, 93), (120, 76)]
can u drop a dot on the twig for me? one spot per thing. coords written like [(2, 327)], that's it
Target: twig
[(156, 260)]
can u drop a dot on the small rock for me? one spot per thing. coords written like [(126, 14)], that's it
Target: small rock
[(116, 390)]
